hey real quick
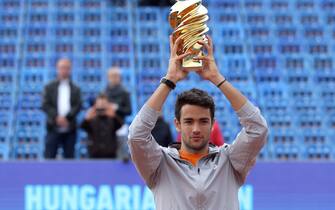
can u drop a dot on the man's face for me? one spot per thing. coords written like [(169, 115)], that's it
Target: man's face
[(101, 103), (114, 77), (195, 126), (63, 69)]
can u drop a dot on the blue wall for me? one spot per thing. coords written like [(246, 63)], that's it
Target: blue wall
[(111, 185)]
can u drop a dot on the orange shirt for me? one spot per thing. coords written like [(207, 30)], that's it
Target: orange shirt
[(191, 157)]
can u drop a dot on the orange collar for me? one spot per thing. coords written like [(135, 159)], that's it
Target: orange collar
[(191, 157)]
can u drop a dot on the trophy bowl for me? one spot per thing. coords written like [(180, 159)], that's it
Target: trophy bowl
[(188, 19)]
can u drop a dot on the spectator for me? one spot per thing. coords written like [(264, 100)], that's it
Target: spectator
[(101, 123), (117, 93), (61, 103), (162, 132), (119, 97)]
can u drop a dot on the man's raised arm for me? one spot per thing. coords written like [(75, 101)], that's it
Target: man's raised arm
[(244, 150), (145, 151)]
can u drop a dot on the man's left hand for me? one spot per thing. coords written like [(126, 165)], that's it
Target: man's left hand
[(110, 110), (210, 70)]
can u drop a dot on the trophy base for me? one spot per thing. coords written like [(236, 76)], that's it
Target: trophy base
[(192, 65)]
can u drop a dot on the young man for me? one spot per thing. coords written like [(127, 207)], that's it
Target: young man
[(194, 175), (101, 123)]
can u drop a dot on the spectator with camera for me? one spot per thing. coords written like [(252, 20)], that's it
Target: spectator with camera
[(101, 123)]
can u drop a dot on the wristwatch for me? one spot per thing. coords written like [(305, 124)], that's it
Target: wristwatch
[(168, 82)]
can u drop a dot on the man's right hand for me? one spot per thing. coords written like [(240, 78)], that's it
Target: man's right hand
[(90, 114), (62, 122), (175, 71)]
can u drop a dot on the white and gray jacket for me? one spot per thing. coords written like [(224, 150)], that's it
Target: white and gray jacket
[(214, 182)]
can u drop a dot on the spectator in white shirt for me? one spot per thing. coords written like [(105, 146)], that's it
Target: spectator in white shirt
[(61, 103)]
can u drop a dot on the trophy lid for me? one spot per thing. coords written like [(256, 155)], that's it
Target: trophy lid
[(183, 4), (181, 8)]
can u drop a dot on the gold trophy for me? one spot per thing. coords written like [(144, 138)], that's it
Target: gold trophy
[(188, 20)]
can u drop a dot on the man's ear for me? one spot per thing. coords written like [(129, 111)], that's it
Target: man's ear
[(177, 124)]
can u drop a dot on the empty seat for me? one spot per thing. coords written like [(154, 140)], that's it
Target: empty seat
[(287, 152), (30, 121), (319, 152), (4, 152), (27, 152)]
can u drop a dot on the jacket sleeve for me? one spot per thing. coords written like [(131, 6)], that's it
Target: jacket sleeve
[(145, 151), (244, 150), (76, 106), (86, 126), (125, 106), (47, 106)]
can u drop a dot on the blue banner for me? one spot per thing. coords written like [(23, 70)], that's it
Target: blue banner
[(113, 185)]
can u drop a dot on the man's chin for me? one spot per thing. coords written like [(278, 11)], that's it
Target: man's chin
[(198, 147)]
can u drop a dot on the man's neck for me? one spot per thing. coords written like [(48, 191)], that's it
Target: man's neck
[(113, 85), (192, 156), (63, 80), (187, 150)]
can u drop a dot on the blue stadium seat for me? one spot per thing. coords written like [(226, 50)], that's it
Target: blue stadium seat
[(118, 16), (30, 122), (221, 33), (255, 19), (30, 97), (224, 5), (5, 136), (123, 61), (330, 120), (151, 63), (90, 79), (264, 154), (290, 52), (285, 152), (318, 136), (224, 18), (303, 5), (310, 121), (267, 76), (282, 18), (29, 137), (289, 136), (6, 123), (81, 151), (4, 152), (319, 152), (33, 78), (264, 63), (149, 16), (324, 78), (280, 121), (286, 33), (27, 152)]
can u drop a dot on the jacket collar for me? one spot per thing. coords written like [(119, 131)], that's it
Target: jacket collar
[(174, 147), (57, 81)]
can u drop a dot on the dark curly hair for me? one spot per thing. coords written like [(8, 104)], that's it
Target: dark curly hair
[(194, 97)]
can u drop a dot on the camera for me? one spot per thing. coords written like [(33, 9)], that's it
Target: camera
[(100, 111)]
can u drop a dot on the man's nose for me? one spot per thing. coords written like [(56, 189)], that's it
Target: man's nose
[(196, 128)]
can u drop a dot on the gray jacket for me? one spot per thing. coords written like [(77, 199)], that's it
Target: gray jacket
[(214, 182)]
